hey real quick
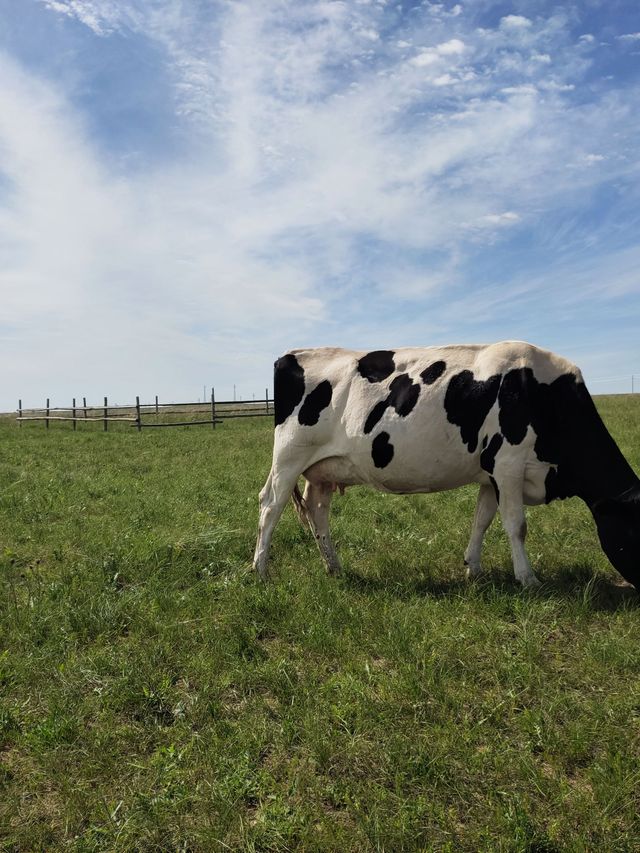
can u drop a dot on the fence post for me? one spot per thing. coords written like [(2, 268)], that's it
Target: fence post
[(138, 420), (74, 414), (213, 408), (47, 418), (106, 424), (266, 394), (157, 412), (20, 413), (84, 406)]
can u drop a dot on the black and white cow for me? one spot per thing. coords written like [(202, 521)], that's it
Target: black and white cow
[(516, 419)]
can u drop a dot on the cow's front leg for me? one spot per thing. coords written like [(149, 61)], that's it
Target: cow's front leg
[(486, 508), (514, 522)]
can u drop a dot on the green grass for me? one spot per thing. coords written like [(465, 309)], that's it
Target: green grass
[(155, 696)]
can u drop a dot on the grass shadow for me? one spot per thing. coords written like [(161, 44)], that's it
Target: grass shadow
[(601, 593), (572, 584), (405, 587)]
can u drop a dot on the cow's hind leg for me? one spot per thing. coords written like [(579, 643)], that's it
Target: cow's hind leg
[(317, 502), (273, 499), (514, 522), (486, 508)]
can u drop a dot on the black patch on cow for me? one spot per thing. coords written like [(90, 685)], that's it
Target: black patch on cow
[(517, 400), (495, 488), (381, 450), (430, 374), (314, 403), (288, 386), (524, 401), (374, 415), (403, 396), (488, 455), (555, 487), (468, 402), (377, 365)]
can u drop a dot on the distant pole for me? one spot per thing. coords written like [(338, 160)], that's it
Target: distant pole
[(47, 418), (20, 413), (157, 412), (84, 406), (266, 396), (213, 408), (105, 415), (234, 393), (138, 418), (74, 414)]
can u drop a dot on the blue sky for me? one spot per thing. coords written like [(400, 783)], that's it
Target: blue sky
[(189, 188)]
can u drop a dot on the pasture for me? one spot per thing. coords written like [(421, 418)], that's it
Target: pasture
[(155, 696)]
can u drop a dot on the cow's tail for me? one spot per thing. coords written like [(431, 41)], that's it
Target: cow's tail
[(300, 506)]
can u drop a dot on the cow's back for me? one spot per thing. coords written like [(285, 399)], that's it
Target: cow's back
[(407, 419)]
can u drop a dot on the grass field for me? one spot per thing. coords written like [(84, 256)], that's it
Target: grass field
[(155, 696)]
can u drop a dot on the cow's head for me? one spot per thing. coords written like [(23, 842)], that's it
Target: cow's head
[(618, 521)]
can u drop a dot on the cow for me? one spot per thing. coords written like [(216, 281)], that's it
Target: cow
[(514, 418)]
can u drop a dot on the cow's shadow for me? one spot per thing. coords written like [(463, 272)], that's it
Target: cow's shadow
[(572, 583)]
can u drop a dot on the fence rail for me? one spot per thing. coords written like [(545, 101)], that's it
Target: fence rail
[(219, 410), (136, 413)]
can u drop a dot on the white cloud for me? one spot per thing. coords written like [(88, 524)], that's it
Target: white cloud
[(425, 58), (630, 37), (524, 89), (451, 47), (369, 33), (554, 86), (515, 22), (509, 217), (101, 267), (101, 16), (435, 55), (443, 80)]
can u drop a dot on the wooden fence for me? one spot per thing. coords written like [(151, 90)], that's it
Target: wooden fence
[(138, 414)]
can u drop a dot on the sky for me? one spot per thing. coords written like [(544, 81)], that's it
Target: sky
[(188, 188)]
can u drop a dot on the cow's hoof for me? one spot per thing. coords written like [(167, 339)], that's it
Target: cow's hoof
[(473, 573), (531, 582), (473, 570)]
